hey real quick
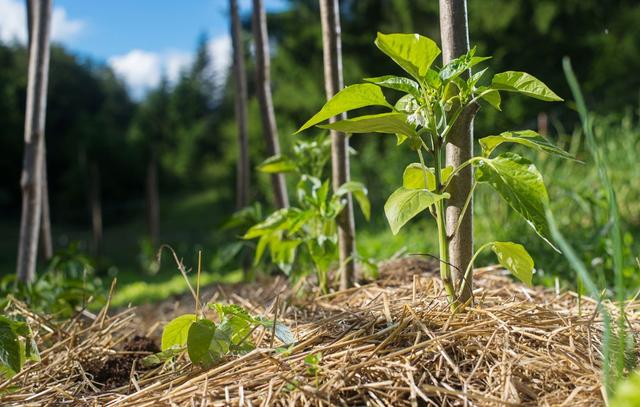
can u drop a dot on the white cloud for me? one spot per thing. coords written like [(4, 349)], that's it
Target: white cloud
[(62, 28), (142, 70), (220, 52), (174, 63), (13, 23)]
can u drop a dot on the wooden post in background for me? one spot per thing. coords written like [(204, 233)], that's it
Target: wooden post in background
[(33, 161), (240, 79), (332, 52), (263, 83)]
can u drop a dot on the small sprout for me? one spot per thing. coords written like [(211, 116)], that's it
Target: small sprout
[(312, 361), (207, 343)]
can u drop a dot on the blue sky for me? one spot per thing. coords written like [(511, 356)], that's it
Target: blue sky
[(140, 39)]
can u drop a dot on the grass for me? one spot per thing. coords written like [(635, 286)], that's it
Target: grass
[(139, 292)]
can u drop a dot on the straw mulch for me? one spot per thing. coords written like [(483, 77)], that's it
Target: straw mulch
[(391, 342)]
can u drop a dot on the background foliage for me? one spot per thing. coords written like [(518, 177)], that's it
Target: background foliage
[(92, 118)]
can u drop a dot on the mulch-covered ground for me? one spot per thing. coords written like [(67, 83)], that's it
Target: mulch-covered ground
[(389, 342)]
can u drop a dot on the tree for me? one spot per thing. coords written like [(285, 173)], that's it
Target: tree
[(332, 52), (454, 32), (32, 170), (263, 83), (240, 78), (151, 130), (46, 242)]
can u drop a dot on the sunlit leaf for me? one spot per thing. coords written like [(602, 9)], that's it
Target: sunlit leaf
[(161, 357), (397, 83), (522, 82), (390, 123), (349, 98), (359, 192), (270, 224), (277, 164), (515, 258), (527, 138), (413, 52), (414, 176), (627, 393), (490, 96), (519, 183), (176, 331), (404, 204)]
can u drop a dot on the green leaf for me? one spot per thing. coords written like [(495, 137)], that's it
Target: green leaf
[(515, 258), (231, 310), (206, 344), (277, 164), (160, 357), (391, 123), (407, 104), (413, 52), (282, 332), (463, 63), (490, 96), (359, 192), (283, 253), (270, 224), (522, 82), (175, 332), (261, 247), (404, 204), (397, 83), (413, 176), (9, 350), (527, 138), (519, 183), (349, 98), (236, 329), (627, 393)]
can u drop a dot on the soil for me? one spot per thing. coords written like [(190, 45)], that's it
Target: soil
[(115, 371)]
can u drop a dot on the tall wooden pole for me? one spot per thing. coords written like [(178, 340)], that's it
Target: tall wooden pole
[(46, 241), (153, 198), (263, 83), (240, 76), (35, 114), (454, 33), (333, 83)]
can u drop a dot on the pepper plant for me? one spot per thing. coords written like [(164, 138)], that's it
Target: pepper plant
[(432, 101), (308, 230)]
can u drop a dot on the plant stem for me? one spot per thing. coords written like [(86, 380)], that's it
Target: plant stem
[(465, 207), (469, 270), (443, 242)]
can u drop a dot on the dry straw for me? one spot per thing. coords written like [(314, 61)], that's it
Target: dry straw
[(388, 343)]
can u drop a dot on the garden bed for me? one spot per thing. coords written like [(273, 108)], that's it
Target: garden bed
[(388, 342)]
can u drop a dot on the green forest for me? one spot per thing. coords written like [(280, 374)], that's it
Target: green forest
[(146, 207)]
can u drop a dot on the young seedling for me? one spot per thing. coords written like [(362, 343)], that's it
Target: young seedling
[(307, 230), (16, 346), (432, 102), (207, 342)]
